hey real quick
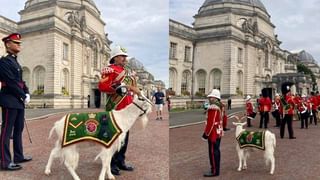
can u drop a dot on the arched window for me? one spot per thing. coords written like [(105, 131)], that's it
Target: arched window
[(201, 78), (172, 78), (216, 75), (38, 78), (26, 75), (185, 82)]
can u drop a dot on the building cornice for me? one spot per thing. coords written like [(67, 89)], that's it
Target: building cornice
[(236, 11)]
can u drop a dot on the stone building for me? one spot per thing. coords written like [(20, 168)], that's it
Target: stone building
[(231, 46), (64, 47)]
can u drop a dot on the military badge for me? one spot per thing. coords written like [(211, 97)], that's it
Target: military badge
[(91, 126)]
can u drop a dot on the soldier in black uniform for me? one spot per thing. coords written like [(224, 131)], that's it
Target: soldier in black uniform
[(13, 96)]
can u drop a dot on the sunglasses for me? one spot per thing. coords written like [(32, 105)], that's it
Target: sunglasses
[(18, 43)]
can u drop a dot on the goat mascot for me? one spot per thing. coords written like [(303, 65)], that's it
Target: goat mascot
[(119, 83), (123, 120), (264, 140)]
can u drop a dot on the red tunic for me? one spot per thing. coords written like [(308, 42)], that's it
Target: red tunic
[(265, 104), (314, 102), (290, 100), (216, 121), (112, 76), (249, 108), (303, 105), (277, 104)]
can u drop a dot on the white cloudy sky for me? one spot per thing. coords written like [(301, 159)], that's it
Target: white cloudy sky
[(297, 21), (139, 26)]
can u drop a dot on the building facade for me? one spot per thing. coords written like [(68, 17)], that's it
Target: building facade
[(231, 46), (64, 48)]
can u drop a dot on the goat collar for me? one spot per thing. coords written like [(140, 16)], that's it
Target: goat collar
[(144, 111)]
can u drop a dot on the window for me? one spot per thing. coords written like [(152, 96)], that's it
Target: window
[(266, 61), (38, 79), (173, 50), (172, 78), (65, 82), (187, 53), (216, 79), (240, 54), (95, 59), (186, 76), (65, 51), (201, 82)]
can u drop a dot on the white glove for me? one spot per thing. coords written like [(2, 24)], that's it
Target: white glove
[(27, 100)]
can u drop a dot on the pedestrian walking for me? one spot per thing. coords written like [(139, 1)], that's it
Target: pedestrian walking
[(158, 96), (229, 103)]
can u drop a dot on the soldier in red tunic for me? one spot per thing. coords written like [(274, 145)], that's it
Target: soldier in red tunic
[(287, 105), (303, 110), (216, 122), (314, 103), (265, 107), (276, 111), (119, 85), (250, 113)]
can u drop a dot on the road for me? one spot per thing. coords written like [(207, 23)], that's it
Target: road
[(183, 118)]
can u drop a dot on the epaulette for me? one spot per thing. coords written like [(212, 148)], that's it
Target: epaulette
[(107, 70), (214, 106)]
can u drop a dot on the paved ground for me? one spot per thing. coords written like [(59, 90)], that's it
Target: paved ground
[(148, 151), (295, 159)]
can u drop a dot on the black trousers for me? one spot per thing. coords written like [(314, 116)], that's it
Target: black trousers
[(214, 156), (304, 119), (286, 120), (264, 119), (119, 157), (314, 117), (12, 119), (277, 116)]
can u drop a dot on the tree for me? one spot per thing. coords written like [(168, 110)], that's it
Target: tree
[(304, 69)]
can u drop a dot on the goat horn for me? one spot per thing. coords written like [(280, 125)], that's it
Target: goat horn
[(234, 116), (148, 100)]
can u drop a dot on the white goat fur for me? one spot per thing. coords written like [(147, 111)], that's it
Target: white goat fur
[(243, 154), (69, 155)]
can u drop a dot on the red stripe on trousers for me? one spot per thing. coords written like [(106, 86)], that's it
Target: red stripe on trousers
[(2, 138), (212, 156)]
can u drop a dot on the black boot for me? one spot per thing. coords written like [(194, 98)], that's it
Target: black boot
[(209, 174), (115, 170)]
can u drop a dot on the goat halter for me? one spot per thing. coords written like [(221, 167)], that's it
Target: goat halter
[(143, 110)]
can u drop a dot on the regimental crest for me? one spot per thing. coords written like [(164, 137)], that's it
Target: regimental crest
[(249, 137), (92, 115), (123, 49), (91, 126)]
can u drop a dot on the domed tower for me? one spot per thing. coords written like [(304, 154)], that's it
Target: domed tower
[(236, 48), (64, 48)]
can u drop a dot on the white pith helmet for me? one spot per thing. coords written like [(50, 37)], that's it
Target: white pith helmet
[(248, 98), (215, 93), (117, 51)]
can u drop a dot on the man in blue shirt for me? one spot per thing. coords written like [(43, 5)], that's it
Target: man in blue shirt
[(159, 102)]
